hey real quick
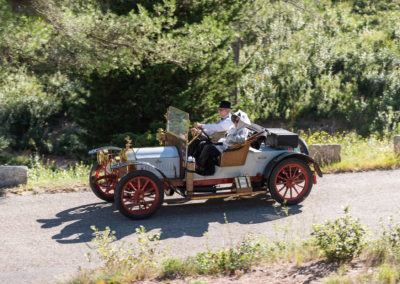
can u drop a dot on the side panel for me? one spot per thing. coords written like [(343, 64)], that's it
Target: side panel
[(169, 166), (255, 164)]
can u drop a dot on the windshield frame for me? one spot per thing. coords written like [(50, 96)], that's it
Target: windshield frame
[(168, 128)]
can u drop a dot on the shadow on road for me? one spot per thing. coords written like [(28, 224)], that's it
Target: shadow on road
[(174, 221)]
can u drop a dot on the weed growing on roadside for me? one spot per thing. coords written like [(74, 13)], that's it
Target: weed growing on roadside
[(341, 239), (228, 260), (141, 259), (43, 174), (386, 248)]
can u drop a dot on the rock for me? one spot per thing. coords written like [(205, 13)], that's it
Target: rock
[(396, 143), (326, 153), (13, 175)]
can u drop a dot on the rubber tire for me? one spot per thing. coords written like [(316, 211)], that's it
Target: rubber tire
[(271, 182), (127, 178), (94, 188)]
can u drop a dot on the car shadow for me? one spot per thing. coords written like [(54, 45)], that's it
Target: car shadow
[(173, 220)]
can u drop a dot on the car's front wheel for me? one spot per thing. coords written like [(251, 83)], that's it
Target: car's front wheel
[(139, 194), (103, 182), (290, 181)]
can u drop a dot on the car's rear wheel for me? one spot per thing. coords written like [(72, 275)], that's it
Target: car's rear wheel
[(290, 181), (139, 194), (103, 182)]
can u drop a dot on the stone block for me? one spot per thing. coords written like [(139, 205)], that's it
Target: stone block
[(11, 176), (326, 153), (396, 144)]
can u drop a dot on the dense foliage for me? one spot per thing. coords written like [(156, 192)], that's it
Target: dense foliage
[(78, 74)]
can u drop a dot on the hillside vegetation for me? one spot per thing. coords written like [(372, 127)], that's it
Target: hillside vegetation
[(79, 74)]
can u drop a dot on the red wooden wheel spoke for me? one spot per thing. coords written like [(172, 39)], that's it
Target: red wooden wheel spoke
[(109, 189), (285, 192), (285, 173), (298, 175), (150, 194), (99, 178), (291, 171), (144, 195), (282, 188), (301, 187), (145, 184), (291, 181), (134, 204), (132, 187), (149, 190), (103, 182)]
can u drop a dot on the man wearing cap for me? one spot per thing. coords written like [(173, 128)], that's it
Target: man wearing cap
[(223, 125), (217, 130)]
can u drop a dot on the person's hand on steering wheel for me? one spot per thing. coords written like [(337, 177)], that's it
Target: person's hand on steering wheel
[(198, 127), (204, 133), (194, 131)]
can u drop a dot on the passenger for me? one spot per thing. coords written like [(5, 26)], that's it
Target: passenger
[(236, 134), (217, 130)]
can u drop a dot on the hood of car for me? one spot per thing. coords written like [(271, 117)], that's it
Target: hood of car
[(152, 153)]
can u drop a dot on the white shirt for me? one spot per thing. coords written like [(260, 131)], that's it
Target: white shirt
[(223, 125)]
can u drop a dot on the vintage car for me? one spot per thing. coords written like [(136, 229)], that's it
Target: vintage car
[(271, 160)]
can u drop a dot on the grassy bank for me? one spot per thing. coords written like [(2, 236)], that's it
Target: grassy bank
[(46, 177), (335, 247), (358, 153)]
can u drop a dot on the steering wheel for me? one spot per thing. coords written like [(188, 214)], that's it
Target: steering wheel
[(205, 134), (198, 134)]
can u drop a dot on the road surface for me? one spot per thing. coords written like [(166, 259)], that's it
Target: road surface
[(45, 237)]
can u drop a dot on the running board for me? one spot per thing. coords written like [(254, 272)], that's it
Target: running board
[(224, 194), (210, 188)]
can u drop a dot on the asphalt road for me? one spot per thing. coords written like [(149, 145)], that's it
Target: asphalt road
[(45, 237)]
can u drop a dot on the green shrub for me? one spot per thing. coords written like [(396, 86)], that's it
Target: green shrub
[(341, 239), (68, 143), (7, 158), (225, 260), (229, 260), (175, 267), (145, 253)]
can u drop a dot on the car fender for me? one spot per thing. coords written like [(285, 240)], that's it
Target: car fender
[(138, 163), (94, 151), (132, 163), (271, 165)]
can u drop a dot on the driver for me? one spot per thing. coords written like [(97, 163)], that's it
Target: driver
[(217, 130)]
